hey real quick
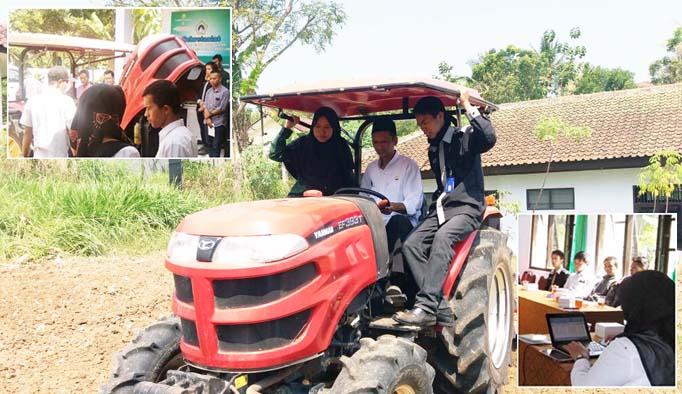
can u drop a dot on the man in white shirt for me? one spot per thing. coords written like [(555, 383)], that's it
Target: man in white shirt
[(162, 109), (397, 177), (47, 118), (582, 281)]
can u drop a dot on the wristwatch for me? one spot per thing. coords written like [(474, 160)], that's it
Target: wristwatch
[(472, 113)]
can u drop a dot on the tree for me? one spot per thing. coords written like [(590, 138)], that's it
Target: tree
[(597, 79), (515, 74), (548, 129), (662, 175), (262, 31), (98, 23), (669, 69)]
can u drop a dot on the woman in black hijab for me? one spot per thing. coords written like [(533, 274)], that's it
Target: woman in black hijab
[(648, 302), (96, 130), (320, 160)]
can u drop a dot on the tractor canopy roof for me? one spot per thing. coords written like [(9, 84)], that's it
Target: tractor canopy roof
[(362, 97), (56, 42)]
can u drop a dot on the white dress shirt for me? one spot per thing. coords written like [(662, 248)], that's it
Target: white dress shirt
[(49, 114), (618, 365), (400, 181), (580, 283), (175, 140), (129, 152)]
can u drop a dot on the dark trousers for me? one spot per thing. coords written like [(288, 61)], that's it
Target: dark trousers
[(202, 128), (215, 143), (428, 253), (397, 229)]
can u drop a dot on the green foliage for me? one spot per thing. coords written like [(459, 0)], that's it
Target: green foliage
[(90, 23), (86, 208), (597, 79), (264, 176), (669, 68), (662, 174), (550, 128), (146, 21), (515, 74)]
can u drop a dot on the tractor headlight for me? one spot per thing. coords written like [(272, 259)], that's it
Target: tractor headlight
[(258, 249), (182, 247)]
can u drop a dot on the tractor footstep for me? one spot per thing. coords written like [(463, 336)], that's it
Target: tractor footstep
[(387, 323)]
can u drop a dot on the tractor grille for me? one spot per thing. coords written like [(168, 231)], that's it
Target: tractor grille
[(261, 336), (183, 289), (240, 293), (189, 332)]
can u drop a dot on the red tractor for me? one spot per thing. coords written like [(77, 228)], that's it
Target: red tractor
[(284, 296)]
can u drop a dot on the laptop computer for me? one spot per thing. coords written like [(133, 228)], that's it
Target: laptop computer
[(565, 328)]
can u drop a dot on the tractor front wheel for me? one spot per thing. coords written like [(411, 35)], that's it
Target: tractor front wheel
[(154, 351), (388, 365)]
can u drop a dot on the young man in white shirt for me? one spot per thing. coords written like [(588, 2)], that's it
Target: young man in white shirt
[(162, 109), (47, 118), (582, 281), (397, 177)]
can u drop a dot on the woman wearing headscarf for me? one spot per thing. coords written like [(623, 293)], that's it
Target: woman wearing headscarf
[(643, 355), (319, 160), (96, 126)]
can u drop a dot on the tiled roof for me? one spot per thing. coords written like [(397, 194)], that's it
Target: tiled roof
[(625, 124)]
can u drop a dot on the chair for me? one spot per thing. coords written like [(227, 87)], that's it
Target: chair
[(542, 282), (528, 276)]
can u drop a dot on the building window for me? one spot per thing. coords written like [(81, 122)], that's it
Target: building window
[(550, 199), (549, 233)]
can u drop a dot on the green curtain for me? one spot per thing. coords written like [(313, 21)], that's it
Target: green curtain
[(579, 237)]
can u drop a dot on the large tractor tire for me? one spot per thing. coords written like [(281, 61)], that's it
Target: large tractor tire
[(154, 351), (474, 355), (388, 365)]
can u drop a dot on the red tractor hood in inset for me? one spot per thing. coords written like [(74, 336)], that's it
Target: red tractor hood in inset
[(300, 216), (157, 57)]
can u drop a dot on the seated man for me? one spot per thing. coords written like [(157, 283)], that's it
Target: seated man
[(559, 274), (602, 287), (581, 282), (396, 177)]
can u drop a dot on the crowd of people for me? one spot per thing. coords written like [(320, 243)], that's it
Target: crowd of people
[(63, 120)]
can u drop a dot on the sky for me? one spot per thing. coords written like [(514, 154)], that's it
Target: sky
[(394, 38)]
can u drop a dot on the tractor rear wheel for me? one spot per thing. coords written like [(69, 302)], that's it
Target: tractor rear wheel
[(473, 356), (388, 365), (154, 351)]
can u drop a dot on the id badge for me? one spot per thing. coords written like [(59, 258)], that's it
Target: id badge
[(450, 185)]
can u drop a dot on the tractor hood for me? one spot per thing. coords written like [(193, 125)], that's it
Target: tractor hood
[(301, 216)]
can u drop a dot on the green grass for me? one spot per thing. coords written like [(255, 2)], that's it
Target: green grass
[(93, 208)]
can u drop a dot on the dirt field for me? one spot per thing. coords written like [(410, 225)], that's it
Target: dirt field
[(62, 320)]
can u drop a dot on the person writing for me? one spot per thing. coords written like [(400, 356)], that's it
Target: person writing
[(319, 160), (643, 355)]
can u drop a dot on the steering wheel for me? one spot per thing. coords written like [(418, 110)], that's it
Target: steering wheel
[(383, 200)]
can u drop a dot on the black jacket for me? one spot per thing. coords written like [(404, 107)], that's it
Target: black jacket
[(462, 153), (559, 280)]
